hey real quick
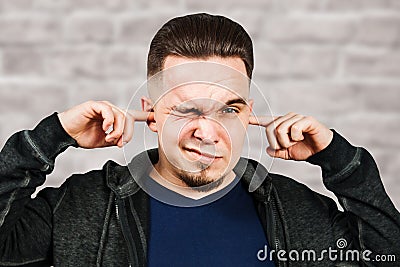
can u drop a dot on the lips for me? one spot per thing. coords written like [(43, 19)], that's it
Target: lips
[(202, 155)]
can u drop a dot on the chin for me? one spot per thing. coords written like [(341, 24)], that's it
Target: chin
[(201, 183)]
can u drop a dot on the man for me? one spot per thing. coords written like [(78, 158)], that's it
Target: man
[(188, 202)]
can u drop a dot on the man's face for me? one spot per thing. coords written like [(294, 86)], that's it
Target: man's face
[(201, 126)]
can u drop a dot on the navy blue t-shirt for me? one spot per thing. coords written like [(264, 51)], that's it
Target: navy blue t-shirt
[(226, 232)]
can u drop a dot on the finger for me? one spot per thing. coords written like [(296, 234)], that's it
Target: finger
[(141, 115), (105, 111), (302, 126), (283, 131), (278, 153), (261, 120), (296, 133), (272, 133), (128, 129), (113, 106), (120, 142), (118, 126)]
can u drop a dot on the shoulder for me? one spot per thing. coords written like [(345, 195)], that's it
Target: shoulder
[(297, 200), (80, 188)]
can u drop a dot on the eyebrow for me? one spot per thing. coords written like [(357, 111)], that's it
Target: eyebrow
[(236, 101)]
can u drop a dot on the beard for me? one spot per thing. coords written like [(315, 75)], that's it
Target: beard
[(200, 181)]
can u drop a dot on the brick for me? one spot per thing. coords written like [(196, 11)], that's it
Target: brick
[(127, 63), (29, 30), (322, 100), (23, 105), (301, 5), (357, 5), (35, 99), (156, 5), (12, 123), (89, 29), (93, 63), (371, 130), (250, 23), (393, 4), (372, 65), (7, 6), (73, 63), (329, 102), (212, 6), (285, 63), (314, 30), (80, 92), (111, 5), (26, 6), (141, 29), (23, 61), (1, 63), (383, 30), (378, 97)]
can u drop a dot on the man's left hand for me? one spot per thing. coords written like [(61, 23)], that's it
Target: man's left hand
[(294, 136)]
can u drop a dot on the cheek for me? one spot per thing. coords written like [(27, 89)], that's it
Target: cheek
[(234, 136), (172, 132)]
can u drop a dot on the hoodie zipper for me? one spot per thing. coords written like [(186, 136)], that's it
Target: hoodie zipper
[(123, 222), (275, 214), (272, 223)]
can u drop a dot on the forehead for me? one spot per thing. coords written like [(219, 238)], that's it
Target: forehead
[(235, 63), (200, 93), (215, 78)]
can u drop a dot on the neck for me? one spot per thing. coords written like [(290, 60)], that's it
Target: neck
[(172, 182)]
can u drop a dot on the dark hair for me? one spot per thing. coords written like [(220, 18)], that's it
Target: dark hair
[(200, 36)]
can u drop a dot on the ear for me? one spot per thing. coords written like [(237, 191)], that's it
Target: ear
[(250, 103), (147, 105)]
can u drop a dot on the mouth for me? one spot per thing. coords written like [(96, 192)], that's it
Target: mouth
[(202, 156)]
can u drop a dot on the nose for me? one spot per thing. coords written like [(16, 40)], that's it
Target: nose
[(206, 131)]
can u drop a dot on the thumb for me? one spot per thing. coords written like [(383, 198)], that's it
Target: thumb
[(277, 153)]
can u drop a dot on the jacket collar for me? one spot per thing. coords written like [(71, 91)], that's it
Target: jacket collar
[(122, 179)]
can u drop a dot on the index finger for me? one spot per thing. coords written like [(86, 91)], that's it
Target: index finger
[(141, 115), (261, 120)]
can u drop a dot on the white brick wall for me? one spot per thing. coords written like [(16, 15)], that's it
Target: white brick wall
[(335, 60)]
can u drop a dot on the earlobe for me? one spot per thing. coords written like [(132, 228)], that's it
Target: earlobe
[(147, 105)]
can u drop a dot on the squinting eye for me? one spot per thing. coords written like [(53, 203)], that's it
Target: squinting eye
[(186, 112), (230, 110)]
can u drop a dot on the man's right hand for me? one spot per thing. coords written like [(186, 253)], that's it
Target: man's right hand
[(88, 123)]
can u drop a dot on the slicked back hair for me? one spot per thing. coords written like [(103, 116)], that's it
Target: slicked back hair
[(200, 36)]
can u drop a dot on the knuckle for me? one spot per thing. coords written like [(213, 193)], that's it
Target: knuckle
[(299, 116), (270, 129), (285, 145), (280, 130), (296, 128), (310, 118)]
